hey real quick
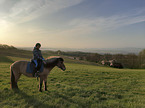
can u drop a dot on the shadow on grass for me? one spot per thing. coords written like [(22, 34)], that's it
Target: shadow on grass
[(66, 100), (32, 101)]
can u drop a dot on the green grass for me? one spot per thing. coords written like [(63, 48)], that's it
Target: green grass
[(80, 86)]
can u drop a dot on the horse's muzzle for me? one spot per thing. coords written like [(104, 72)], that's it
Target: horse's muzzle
[(63, 69)]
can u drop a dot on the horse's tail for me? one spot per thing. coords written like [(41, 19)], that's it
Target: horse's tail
[(13, 83)]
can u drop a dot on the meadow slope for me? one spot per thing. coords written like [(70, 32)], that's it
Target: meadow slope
[(80, 86)]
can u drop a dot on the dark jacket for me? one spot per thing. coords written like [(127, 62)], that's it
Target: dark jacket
[(37, 54)]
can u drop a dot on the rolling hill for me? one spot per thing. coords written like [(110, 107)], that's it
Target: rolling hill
[(80, 86)]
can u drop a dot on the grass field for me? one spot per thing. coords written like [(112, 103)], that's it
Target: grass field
[(80, 86)]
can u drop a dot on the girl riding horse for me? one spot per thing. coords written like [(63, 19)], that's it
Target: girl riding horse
[(19, 67), (37, 58)]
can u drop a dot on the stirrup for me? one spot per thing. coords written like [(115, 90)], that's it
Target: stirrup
[(37, 74)]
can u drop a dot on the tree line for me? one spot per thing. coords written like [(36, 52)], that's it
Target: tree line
[(6, 47), (131, 60)]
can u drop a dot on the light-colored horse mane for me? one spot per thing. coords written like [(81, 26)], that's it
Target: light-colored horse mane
[(52, 59)]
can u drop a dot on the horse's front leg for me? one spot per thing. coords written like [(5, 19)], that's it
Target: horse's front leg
[(40, 84), (45, 83)]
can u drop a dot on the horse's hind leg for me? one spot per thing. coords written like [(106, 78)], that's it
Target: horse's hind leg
[(16, 79), (13, 82)]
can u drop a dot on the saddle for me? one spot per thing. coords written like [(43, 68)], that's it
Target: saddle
[(31, 67)]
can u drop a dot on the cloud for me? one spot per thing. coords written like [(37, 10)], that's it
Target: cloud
[(13, 12), (84, 27), (2, 1), (99, 24), (22, 11), (87, 27), (26, 10)]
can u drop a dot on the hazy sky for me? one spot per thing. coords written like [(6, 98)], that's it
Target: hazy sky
[(73, 23)]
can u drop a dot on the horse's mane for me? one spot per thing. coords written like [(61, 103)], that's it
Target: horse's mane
[(53, 60), (53, 57)]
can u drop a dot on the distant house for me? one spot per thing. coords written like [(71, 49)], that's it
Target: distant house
[(106, 63)]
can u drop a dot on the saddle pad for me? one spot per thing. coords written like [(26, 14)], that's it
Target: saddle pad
[(30, 68)]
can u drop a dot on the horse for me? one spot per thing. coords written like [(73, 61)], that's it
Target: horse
[(19, 67)]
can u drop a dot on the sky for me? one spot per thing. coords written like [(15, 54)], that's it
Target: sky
[(73, 23)]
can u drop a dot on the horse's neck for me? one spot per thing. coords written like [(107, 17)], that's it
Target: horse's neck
[(50, 68), (51, 63)]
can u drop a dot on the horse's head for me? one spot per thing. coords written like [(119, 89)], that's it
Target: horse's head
[(60, 64)]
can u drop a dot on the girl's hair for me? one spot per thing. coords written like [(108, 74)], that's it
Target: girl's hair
[(38, 44)]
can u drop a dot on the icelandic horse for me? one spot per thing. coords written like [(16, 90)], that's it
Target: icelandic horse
[(19, 67)]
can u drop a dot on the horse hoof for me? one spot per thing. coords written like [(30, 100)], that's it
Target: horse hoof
[(40, 90)]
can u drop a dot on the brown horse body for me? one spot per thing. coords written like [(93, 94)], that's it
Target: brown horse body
[(19, 67)]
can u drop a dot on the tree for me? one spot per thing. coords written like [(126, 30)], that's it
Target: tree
[(58, 52), (142, 59)]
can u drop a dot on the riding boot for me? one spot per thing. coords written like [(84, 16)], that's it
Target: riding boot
[(34, 72), (37, 74), (38, 71)]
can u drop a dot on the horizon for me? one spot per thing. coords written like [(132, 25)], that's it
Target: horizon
[(92, 50), (127, 50), (72, 47), (75, 24), (80, 48)]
